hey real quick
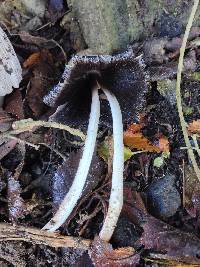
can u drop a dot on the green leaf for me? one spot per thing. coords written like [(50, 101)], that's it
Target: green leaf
[(158, 162), (103, 151)]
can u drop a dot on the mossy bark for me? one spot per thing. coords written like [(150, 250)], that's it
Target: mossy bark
[(110, 25)]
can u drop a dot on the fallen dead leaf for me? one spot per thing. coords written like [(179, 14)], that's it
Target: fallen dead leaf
[(14, 104), (134, 139), (32, 60), (103, 255), (183, 247), (42, 79), (194, 127)]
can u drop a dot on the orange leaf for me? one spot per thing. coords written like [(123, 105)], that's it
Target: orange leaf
[(194, 127), (32, 60), (133, 138)]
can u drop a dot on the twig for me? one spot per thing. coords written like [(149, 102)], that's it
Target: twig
[(54, 150), (116, 196), (75, 191), (29, 124), (178, 90), (20, 233), (36, 147)]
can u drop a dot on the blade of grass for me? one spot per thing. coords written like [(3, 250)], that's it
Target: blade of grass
[(178, 90)]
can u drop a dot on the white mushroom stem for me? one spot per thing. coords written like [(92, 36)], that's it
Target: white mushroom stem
[(116, 196), (75, 192)]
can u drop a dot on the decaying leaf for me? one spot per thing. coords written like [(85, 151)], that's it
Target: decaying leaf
[(182, 246), (14, 104), (63, 178), (133, 138), (10, 69), (103, 255), (42, 78), (32, 60), (194, 127)]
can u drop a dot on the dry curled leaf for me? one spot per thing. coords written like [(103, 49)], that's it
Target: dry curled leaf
[(32, 60), (14, 104), (183, 247), (65, 174), (194, 127), (133, 138), (41, 80), (103, 255)]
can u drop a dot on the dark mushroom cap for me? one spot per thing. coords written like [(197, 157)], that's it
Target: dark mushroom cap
[(122, 74)]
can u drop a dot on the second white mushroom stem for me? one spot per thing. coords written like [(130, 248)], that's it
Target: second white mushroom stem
[(75, 192), (116, 195)]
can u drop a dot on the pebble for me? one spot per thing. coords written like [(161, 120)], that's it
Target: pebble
[(163, 198)]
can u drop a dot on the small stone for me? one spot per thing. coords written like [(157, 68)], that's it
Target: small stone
[(163, 199)]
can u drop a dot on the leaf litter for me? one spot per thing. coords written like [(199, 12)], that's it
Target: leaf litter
[(174, 239)]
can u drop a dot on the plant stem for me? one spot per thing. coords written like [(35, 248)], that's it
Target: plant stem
[(178, 89), (76, 189), (116, 196), (28, 125)]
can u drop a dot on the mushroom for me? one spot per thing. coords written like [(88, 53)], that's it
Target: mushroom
[(10, 69), (122, 80)]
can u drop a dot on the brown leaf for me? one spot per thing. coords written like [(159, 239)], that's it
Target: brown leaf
[(32, 60), (159, 236), (14, 104), (133, 208), (65, 174), (40, 82), (103, 255), (194, 126), (37, 40), (133, 138)]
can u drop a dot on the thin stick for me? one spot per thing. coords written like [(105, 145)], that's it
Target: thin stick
[(20, 233), (29, 124), (36, 147), (178, 90), (116, 196), (72, 197)]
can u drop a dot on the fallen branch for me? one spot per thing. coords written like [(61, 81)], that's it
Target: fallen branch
[(28, 125), (20, 233), (178, 90)]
